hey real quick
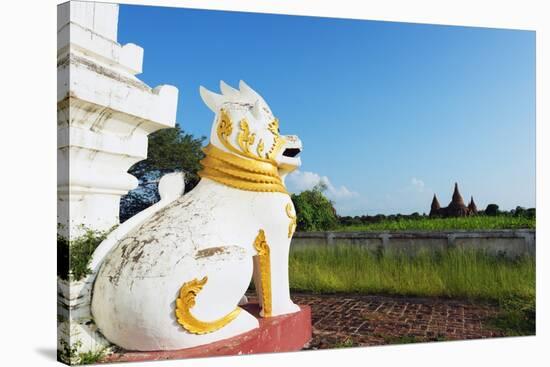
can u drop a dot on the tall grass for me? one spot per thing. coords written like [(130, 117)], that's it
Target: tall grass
[(463, 273), (439, 224)]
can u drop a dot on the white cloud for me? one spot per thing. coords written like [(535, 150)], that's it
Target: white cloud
[(417, 184), (299, 181)]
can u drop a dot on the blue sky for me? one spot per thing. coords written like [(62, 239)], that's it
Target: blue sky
[(389, 113)]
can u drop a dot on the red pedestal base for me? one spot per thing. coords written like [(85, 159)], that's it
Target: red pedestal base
[(284, 333)]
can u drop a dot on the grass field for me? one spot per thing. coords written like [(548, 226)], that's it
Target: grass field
[(453, 273), (441, 224)]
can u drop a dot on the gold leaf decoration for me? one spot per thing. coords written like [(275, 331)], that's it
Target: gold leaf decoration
[(225, 126), (245, 139), (278, 141), (260, 148)]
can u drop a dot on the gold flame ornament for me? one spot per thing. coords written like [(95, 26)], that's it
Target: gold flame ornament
[(264, 258), (186, 301)]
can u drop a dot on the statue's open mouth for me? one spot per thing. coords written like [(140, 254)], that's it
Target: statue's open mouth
[(291, 152), (288, 159)]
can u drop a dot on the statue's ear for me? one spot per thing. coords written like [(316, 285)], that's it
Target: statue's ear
[(229, 91), (248, 92), (257, 109), (213, 100)]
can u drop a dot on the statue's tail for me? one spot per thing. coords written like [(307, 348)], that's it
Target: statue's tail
[(186, 301)]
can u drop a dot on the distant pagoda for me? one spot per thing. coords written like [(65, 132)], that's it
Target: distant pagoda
[(435, 206), (456, 207), (472, 207)]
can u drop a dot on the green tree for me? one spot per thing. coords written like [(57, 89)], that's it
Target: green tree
[(519, 211), (492, 210), (169, 150), (530, 213), (313, 210)]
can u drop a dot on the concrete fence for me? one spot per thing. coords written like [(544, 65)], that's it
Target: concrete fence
[(507, 242)]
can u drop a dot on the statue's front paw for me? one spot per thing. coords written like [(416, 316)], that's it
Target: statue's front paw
[(290, 307), (294, 308)]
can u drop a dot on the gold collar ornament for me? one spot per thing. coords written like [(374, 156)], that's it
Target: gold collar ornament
[(240, 173)]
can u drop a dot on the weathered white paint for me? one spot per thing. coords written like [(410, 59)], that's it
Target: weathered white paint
[(171, 186), (75, 326), (104, 116), (74, 298), (208, 232)]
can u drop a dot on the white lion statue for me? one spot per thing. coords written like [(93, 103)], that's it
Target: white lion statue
[(176, 280)]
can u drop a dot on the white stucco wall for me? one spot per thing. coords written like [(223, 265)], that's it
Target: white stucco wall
[(105, 114)]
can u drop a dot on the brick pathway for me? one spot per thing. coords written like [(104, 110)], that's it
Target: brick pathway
[(362, 320)]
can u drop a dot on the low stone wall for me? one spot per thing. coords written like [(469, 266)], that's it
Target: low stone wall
[(507, 242)]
